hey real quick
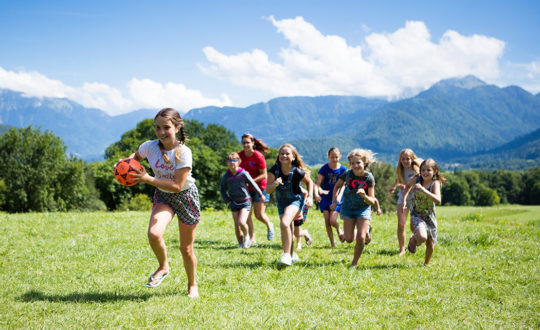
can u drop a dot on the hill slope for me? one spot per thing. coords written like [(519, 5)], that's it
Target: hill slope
[(86, 132)]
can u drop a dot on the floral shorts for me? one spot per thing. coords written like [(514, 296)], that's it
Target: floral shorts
[(428, 224)]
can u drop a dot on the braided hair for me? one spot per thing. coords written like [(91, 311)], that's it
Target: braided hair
[(173, 115)]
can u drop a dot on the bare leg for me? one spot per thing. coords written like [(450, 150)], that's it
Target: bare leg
[(187, 237), (286, 231), (334, 223), (430, 245), (328, 226), (402, 220), (251, 232), (363, 227), (237, 231), (348, 225), (159, 219)]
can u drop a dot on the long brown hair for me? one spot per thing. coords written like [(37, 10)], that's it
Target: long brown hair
[(297, 162), (257, 143), (172, 115), (436, 172)]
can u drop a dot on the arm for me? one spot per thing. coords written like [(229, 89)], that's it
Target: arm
[(272, 183), (252, 183), (368, 197), (318, 190), (174, 185), (223, 190), (335, 194), (309, 184), (262, 175), (393, 188), (406, 192), (435, 196)]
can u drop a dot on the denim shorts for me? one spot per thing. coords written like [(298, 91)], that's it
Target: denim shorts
[(297, 202), (237, 206), (353, 214), (255, 198)]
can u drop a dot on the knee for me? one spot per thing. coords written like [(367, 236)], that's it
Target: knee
[(421, 238), (154, 235), (349, 239), (186, 250)]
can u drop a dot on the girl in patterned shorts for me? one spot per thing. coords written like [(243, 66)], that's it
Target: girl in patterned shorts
[(176, 193), (426, 190)]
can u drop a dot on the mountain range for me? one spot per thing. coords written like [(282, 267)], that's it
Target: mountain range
[(456, 120)]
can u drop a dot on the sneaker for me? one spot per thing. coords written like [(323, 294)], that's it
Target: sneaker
[(286, 259), (240, 246), (294, 258), (270, 233), (368, 236), (412, 246), (247, 242)]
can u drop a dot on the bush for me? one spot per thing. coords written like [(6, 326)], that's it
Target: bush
[(487, 197), (139, 202)]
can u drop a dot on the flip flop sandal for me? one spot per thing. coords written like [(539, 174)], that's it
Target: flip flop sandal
[(156, 280)]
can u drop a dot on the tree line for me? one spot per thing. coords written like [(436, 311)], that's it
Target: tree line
[(36, 174)]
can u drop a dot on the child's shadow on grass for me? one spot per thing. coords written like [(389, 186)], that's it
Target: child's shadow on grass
[(84, 297)]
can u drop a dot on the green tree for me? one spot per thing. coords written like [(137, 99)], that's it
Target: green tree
[(385, 176), (487, 197), (531, 187), (37, 173)]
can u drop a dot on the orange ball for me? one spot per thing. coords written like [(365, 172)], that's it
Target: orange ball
[(123, 168)]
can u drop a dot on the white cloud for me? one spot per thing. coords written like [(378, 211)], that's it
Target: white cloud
[(387, 64), (141, 93), (526, 75)]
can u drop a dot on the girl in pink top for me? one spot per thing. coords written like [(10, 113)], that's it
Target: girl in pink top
[(253, 161)]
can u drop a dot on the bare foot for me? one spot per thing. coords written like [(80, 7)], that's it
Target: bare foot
[(193, 292), (156, 278), (402, 253)]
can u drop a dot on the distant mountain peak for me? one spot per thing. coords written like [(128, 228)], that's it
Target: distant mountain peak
[(467, 82)]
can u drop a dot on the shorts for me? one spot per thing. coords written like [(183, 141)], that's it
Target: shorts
[(185, 204), (255, 198), (400, 198), (353, 214), (324, 205), (301, 218), (428, 224), (296, 202), (237, 206)]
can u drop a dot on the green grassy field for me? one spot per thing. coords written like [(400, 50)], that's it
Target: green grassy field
[(88, 270)]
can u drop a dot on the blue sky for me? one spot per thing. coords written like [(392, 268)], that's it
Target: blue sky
[(125, 55)]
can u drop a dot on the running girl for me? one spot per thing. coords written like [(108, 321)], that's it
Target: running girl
[(358, 197), (426, 192), (175, 193), (328, 176), (285, 178), (407, 167)]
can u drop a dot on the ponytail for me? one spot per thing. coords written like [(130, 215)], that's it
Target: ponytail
[(173, 115), (257, 143)]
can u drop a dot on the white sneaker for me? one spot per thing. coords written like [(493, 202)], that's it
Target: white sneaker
[(286, 259), (294, 257), (247, 242)]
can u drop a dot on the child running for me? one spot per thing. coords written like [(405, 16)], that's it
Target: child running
[(358, 197), (253, 161), (298, 222), (328, 176), (285, 178), (426, 191), (234, 191), (407, 167), (175, 193)]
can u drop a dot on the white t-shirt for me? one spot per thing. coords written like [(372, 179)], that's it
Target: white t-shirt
[(151, 151)]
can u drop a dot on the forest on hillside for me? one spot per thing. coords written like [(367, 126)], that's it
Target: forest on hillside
[(36, 174)]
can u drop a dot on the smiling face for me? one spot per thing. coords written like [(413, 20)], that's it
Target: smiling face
[(333, 157), (427, 172), (233, 165), (248, 144), (286, 155), (406, 160), (166, 132), (357, 165)]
